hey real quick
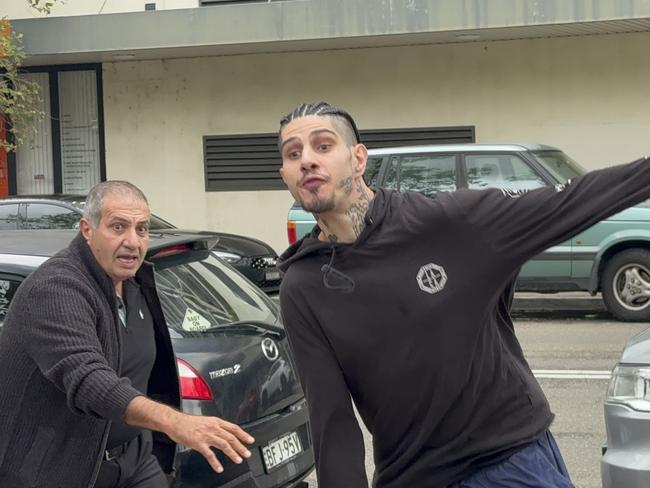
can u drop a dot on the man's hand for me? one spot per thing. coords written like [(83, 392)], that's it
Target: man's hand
[(196, 432), (202, 433)]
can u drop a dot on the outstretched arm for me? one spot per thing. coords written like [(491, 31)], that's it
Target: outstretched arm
[(338, 442), (520, 226)]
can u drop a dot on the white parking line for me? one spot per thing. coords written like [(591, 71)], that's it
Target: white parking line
[(572, 374)]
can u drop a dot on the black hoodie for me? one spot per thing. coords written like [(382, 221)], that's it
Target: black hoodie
[(414, 326)]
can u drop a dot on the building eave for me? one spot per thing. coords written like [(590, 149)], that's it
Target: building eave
[(307, 25)]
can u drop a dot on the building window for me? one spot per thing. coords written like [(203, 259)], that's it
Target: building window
[(67, 154)]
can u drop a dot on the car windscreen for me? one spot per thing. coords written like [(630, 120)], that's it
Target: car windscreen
[(198, 291), (561, 166)]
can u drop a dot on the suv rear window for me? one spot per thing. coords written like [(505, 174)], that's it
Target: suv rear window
[(426, 174)]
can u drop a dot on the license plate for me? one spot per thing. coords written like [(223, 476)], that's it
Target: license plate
[(272, 275), (278, 452)]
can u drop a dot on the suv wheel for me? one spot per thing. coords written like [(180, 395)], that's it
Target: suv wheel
[(626, 285)]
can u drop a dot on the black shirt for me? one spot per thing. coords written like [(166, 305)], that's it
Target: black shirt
[(423, 341), (138, 353)]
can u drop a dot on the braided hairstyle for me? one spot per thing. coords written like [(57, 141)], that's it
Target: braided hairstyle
[(343, 120)]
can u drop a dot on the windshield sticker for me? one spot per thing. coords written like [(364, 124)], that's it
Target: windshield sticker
[(194, 321), (225, 371)]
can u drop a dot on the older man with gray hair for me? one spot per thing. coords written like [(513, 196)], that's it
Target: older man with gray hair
[(83, 353)]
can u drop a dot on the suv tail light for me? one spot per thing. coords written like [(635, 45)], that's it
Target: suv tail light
[(193, 387), (291, 231)]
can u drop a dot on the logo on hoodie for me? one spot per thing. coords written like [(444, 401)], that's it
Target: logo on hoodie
[(432, 278)]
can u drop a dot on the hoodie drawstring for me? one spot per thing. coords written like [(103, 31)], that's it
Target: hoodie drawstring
[(334, 279)]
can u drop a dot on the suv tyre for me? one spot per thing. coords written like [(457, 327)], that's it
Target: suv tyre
[(626, 285)]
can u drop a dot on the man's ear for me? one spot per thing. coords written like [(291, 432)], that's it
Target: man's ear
[(360, 153), (282, 174), (86, 229)]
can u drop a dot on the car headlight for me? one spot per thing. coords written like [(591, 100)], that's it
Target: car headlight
[(630, 385), (229, 257)]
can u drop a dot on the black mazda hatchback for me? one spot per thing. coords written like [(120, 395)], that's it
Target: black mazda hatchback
[(232, 354)]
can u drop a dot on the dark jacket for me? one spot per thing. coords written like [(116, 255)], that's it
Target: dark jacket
[(60, 372), (414, 326)]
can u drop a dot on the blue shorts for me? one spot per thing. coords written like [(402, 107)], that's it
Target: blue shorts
[(537, 465)]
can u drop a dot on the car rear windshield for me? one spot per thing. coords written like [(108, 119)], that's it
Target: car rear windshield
[(561, 166), (198, 291)]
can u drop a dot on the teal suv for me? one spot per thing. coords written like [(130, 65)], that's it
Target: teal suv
[(612, 257)]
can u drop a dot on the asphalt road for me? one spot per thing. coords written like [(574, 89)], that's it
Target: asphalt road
[(571, 345)]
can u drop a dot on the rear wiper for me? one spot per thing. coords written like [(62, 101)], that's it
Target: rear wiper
[(247, 325)]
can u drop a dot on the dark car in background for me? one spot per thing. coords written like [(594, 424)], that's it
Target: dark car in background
[(253, 258), (233, 356)]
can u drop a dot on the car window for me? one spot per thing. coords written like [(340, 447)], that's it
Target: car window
[(8, 287), (426, 174), (46, 216), (391, 180), (507, 171), (559, 165), (198, 291), (372, 171), (9, 216)]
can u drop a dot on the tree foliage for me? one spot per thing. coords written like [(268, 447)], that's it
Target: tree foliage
[(43, 6), (19, 97)]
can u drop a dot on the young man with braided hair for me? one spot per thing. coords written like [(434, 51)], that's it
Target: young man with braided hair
[(401, 303)]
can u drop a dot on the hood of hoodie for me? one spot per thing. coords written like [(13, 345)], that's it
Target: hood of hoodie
[(310, 244)]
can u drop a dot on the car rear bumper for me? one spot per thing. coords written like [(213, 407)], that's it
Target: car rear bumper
[(193, 471), (626, 459)]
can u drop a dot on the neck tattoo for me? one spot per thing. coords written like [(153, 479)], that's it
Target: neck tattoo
[(357, 211)]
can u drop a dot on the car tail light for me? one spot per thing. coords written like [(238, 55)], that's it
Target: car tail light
[(193, 387), (291, 231)]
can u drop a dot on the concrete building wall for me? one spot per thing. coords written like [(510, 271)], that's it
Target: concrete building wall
[(587, 95)]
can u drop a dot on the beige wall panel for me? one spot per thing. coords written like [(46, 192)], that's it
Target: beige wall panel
[(587, 95)]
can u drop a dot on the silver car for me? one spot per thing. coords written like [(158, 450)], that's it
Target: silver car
[(626, 456)]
